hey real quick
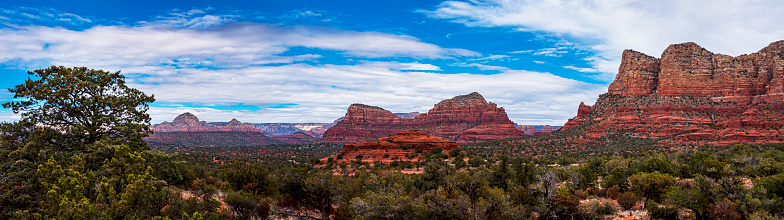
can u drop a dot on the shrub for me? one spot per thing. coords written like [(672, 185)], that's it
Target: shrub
[(386, 155), (612, 192), (762, 215), (724, 209), (263, 210), (580, 194), (569, 202), (656, 212), (604, 208), (454, 152), (627, 200), (436, 150)]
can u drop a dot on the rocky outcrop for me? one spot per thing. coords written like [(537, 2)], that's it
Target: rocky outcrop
[(692, 96), (537, 129), (297, 138), (396, 146), (527, 129), (187, 130), (188, 122), (286, 129), (465, 118), (210, 139)]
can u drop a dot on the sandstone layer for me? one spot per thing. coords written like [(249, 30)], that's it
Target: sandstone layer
[(396, 147), (534, 130), (187, 130), (692, 96), (188, 122), (465, 118)]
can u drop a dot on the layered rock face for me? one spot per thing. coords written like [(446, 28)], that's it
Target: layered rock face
[(187, 130), (692, 95), (533, 130), (396, 146), (297, 138), (465, 118), (188, 122)]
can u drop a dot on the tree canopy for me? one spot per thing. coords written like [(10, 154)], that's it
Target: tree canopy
[(86, 103)]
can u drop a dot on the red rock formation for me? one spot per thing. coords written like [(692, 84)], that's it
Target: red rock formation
[(188, 122), (187, 130), (583, 111), (396, 146), (297, 138), (691, 95), (532, 130), (527, 129), (466, 118)]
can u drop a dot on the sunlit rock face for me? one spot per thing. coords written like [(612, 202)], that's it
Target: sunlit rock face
[(692, 96), (465, 118)]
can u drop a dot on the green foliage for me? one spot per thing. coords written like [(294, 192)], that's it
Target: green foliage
[(125, 189), (656, 211), (627, 200), (655, 164), (651, 185), (248, 177), (86, 105), (612, 192), (455, 152), (67, 190), (436, 150), (243, 204), (724, 209), (321, 189), (774, 185)]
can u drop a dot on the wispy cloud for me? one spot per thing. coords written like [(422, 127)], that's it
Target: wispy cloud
[(609, 27), (482, 66), (40, 16), (491, 57), (238, 44), (582, 69), (183, 58)]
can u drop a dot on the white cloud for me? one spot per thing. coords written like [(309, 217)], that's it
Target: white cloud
[(213, 64), (581, 69), (322, 92), (609, 27), (491, 57), (27, 15), (482, 66), (551, 52), (115, 47)]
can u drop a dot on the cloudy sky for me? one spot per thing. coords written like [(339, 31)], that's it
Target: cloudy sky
[(307, 61)]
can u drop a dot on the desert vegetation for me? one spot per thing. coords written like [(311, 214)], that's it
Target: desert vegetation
[(78, 153)]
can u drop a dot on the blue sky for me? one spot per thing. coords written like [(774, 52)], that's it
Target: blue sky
[(306, 61)]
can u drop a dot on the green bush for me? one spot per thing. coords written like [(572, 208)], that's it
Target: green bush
[(627, 200)]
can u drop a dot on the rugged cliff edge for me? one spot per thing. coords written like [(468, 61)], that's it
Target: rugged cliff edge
[(465, 118), (691, 96)]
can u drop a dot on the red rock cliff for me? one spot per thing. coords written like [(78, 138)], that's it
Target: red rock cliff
[(692, 95), (465, 118), (188, 122)]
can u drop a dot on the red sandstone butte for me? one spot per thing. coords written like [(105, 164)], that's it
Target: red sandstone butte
[(692, 96), (393, 146), (188, 122), (465, 118), (297, 138), (187, 130), (532, 130)]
